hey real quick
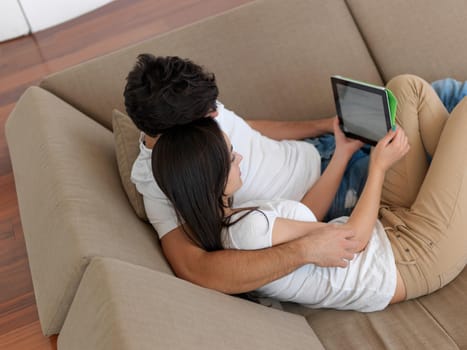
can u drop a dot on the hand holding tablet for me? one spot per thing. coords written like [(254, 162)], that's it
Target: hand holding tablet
[(366, 112)]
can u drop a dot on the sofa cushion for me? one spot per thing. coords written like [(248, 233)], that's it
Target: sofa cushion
[(272, 60), (422, 37), (120, 306), (71, 201), (435, 321), (126, 136)]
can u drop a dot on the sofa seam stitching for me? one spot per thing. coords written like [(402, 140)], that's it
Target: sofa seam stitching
[(364, 39), (433, 318)]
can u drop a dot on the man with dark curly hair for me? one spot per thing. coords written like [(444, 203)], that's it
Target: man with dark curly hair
[(162, 92)]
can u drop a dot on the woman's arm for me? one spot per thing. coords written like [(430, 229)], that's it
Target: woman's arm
[(388, 151), (285, 230), (365, 213), (363, 218), (319, 198)]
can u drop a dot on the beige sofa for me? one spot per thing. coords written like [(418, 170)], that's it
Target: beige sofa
[(99, 275)]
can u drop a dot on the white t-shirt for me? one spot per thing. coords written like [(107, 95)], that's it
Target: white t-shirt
[(270, 169), (367, 284)]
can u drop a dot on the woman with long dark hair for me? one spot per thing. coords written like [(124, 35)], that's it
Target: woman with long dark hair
[(415, 247)]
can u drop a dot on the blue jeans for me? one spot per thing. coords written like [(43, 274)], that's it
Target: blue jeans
[(450, 91), (353, 180)]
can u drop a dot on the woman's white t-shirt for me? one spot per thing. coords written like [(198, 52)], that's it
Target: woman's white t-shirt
[(270, 169), (368, 283)]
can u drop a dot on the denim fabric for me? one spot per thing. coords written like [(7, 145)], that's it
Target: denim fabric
[(450, 91), (353, 180)]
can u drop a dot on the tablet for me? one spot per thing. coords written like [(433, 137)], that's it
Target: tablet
[(366, 112)]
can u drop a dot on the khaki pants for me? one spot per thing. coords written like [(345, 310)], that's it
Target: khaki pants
[(424, 206)]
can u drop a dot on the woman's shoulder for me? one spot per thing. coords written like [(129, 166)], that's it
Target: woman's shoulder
[(259, 211), (252, 227), (254, 230)]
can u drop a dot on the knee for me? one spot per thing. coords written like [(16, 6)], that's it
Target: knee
[(409, 88), (403, 81)]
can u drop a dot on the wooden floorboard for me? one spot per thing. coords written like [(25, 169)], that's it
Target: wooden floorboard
[(27, 337), (24, 62)]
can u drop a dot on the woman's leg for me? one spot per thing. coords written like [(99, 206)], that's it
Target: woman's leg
[(438, 216), (422, 116), (428, 235)]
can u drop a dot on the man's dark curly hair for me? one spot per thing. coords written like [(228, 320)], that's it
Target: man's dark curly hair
[(162, 92)]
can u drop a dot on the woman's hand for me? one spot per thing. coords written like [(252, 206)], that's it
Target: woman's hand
[(389, 150), (345, 146)]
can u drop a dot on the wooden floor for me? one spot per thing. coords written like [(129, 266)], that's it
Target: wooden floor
[(24, 62)]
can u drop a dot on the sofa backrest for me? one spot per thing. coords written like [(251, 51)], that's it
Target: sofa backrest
[(422, 37), (272, 60)]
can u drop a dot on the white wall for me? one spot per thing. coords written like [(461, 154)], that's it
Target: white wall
[(43, 14), (40, 14), (12, 22)]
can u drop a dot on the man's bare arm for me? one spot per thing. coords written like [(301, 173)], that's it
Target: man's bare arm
[(292, 130), (239, 271)]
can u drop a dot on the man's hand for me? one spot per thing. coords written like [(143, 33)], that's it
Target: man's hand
[(330, 246)]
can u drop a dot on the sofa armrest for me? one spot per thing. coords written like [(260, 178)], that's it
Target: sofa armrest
[(123, 306), (72, 203)]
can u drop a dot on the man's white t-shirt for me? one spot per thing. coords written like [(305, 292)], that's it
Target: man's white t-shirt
[(367, 284), (270, 169)]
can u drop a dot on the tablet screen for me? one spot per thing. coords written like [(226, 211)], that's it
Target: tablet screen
[(362, 110)]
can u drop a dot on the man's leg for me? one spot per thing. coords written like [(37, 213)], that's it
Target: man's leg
[(450, 91), (351, 186), (353, 180)]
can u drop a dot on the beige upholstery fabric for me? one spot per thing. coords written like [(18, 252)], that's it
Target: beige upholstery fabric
[(126, 136), (423, 37), (120, 306), (436, 321), (71, 201), (448, 308), (272, 60)]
